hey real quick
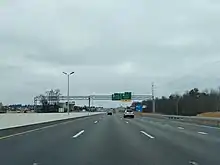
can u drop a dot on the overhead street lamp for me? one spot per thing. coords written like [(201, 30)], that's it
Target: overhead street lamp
[(68, 90)]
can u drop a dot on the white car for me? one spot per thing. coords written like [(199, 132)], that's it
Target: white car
[(128, 113)]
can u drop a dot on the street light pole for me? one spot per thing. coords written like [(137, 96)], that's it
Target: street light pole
[(68, 93), (68, 90)]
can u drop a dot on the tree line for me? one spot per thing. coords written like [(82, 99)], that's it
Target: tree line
[(190, 103), (50, 102)]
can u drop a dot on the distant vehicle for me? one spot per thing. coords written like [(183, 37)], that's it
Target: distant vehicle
[(109, 113), (83, 110), (128, 113)]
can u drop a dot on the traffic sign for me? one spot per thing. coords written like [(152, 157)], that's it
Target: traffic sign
[(121, 96), (116, 96), (139, 108), (126, 96)]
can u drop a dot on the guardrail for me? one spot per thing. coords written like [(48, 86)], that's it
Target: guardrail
[(210, 121)]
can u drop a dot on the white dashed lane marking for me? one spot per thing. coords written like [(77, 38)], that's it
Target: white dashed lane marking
[(147, 134), (203, 133), (78, 134), (180, 128)]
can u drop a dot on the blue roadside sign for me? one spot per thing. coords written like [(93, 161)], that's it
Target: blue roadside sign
[(139, 108)]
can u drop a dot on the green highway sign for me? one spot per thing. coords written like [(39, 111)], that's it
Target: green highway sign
[(126, 96), (116, 96), (121, 96)]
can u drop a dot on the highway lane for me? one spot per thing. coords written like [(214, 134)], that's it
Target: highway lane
[(107, 140), (202, 146), (25, 148), (213, 131)]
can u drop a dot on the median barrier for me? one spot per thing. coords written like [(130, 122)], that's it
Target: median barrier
[(17, 123)]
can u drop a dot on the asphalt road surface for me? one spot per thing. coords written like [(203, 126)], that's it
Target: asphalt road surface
[(112, 140)]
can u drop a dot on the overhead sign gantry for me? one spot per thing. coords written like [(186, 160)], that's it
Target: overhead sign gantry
[(125, 97)]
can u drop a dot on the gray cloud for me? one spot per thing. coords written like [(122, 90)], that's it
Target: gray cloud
[(111, 45)]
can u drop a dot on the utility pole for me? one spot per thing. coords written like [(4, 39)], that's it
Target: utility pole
[(153, 99), (89, 104), (218, 100)]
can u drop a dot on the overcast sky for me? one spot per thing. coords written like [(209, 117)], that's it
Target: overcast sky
[(112, 45)]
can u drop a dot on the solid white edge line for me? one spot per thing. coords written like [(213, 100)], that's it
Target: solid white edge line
[(180, 127), (203, 133), (147, 134), (78, 134)]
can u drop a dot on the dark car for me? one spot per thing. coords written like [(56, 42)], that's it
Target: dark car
[(109, 113)]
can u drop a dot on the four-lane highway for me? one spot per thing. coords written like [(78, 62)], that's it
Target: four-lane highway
[(113, 140)]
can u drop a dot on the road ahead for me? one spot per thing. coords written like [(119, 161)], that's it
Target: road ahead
[(111, 140)]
